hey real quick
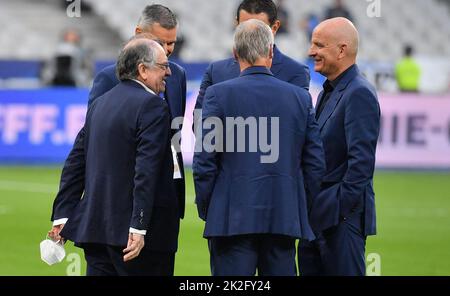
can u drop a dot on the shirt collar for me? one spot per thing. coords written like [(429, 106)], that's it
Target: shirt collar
[(331, 85), (256, 70), (145, 86)]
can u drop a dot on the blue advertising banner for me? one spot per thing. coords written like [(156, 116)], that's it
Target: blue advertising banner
[(39, 126)]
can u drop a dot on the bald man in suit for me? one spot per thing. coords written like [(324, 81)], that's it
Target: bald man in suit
[(348, 114)]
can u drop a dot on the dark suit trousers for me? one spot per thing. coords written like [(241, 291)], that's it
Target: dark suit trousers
[(242, 255), (104, 260), (338, 251)]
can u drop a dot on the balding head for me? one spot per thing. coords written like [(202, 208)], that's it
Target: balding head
[(146, 39), (137, 51), (144, 60), (341, 31), (334, 46), (141, 36)]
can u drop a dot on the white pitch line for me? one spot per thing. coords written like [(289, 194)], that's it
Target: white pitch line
[(27, 187)]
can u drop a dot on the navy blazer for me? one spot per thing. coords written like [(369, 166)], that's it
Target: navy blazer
[(283, 68), (349, 127), (128, 173), (72, 176), (175, 90), (236, 193)]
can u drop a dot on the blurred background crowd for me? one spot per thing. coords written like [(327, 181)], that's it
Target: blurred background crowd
[(40, 41)]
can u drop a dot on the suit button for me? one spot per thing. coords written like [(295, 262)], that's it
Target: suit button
[(345, 219)]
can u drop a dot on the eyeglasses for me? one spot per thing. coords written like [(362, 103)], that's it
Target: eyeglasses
[(163, 66)]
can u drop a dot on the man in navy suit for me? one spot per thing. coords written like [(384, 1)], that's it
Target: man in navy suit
[(159, 23), (127, 218), (283, 67), (254, 201), (348, 113)]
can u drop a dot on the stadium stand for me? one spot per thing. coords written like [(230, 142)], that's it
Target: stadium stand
[(32, 29), (208, 27)]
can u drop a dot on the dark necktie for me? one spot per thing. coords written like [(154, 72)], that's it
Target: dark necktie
[(327, 90)]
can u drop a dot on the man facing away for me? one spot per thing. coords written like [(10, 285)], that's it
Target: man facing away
[(254, 204), (348, 114), (124, 220)]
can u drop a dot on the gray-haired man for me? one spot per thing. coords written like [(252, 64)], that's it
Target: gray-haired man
[(158, 21), (255, 210), (120, 222)]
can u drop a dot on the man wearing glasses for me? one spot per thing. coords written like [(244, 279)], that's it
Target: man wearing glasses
[(128, 168), (159, 23)]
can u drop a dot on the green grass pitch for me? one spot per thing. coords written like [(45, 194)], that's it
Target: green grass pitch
[(413, 213)]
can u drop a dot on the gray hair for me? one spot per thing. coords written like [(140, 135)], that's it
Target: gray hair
[(253, 39), (134, 53), (157, 13), (146, 35)]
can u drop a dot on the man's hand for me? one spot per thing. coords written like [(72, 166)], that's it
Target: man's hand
[(134, 246), (54, 233)]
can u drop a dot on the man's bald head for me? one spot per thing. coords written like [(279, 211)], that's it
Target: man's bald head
[(341, 31), (140, 36), (334, 46)]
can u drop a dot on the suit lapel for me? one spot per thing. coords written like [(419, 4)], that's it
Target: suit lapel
[(168, 96), (319, 99), (336, 95), (277, 62), (172, 94)]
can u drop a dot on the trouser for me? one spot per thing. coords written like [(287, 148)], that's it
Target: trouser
[(338, 251), (104, 260), (243, 255)]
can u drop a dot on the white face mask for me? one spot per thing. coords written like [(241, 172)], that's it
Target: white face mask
[(52, 252)]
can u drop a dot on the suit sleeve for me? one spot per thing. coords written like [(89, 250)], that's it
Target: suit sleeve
[(152, 140), (362, 125), (206, 82), (205, 163), (72, 183), (102, 83), (313, 157), (302, 78), (71, 186)]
